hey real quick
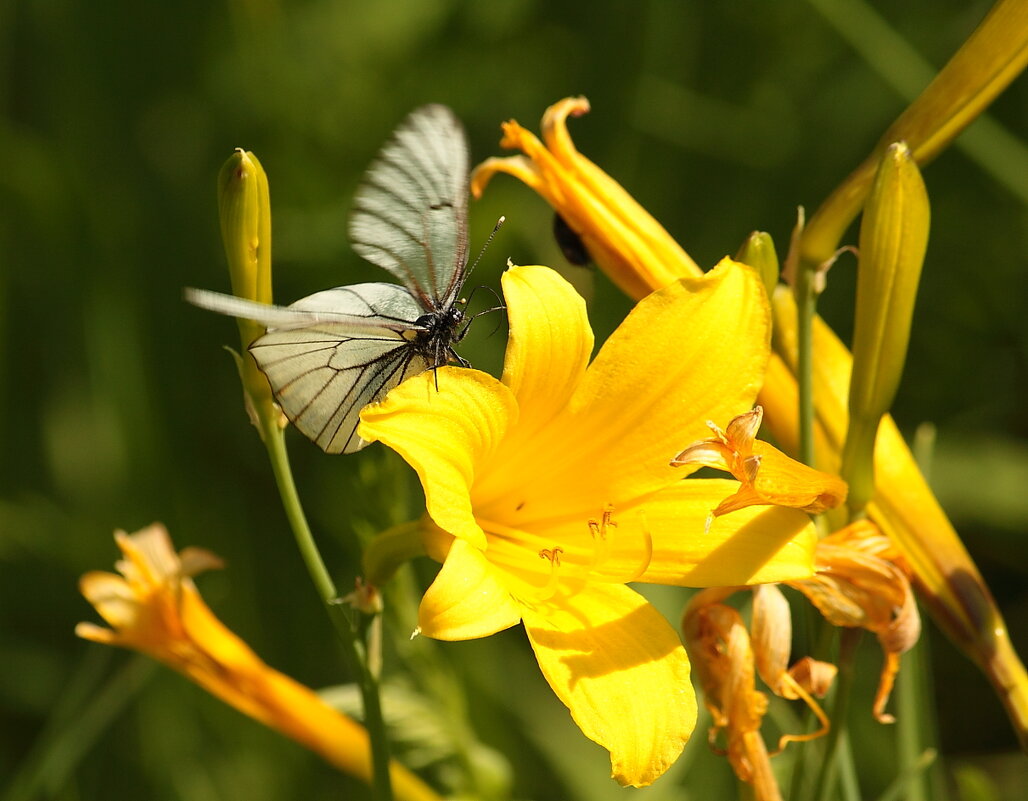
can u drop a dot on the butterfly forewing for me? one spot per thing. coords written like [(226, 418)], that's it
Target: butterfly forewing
[(410, 211), (330, 306)]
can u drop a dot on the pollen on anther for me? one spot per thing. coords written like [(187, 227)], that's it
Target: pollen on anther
[(553, 554)]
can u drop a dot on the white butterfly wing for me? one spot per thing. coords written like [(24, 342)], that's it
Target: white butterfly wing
[(345, 305), (410, 212), (322, 377), (330, 354)]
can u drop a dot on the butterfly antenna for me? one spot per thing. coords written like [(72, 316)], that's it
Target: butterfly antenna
[(485, 247), (498, 307)]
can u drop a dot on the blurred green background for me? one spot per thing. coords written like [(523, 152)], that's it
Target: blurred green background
[(118, 406)]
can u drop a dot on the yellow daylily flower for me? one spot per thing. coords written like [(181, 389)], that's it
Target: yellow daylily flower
[(640, 256), (154, 607), (626, 242), (550, 489), (767, 475)]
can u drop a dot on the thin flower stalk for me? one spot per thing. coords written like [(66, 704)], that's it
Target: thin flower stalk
[(244, 207)]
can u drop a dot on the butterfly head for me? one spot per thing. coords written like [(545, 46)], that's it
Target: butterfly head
[(437, 331)]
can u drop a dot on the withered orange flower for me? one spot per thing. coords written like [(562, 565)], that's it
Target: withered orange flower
[(768, 476)]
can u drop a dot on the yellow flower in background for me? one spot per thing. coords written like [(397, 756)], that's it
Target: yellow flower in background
[(626, 242), (155, 608), (640, 257), (550, 489)]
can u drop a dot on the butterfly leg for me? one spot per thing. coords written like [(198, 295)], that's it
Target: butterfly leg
[(453, 356)]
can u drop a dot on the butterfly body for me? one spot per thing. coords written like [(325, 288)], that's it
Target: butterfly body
[(330, 354)]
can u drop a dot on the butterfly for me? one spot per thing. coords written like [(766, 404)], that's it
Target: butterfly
[(330, 354)]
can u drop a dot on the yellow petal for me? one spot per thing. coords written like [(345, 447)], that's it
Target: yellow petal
[(752, 546), (621, 670), (444, 434), (467, 599), (691, 352), (549, 345), (520, 167), (697, 350), (548, 348), (112, 597)]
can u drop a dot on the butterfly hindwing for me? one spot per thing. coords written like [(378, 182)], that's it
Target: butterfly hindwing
[(324, 373), (411, 210)]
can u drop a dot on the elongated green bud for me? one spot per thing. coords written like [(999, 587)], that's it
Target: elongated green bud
[(993, 56), (893, 240), (758, 251), (244, 207)]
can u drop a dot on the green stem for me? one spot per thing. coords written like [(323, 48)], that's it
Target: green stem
[(356, 649), (826, 779), (910, 724), (806, 309), (850, 786), (909, 776)]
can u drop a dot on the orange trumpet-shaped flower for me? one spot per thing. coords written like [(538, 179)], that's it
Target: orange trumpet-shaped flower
[(154, 607)]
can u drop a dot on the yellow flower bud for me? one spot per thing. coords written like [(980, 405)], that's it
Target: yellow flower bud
[(244, 207), (991, 58), (758, 251), (893, 240)]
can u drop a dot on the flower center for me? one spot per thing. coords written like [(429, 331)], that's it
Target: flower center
[(595, 552)]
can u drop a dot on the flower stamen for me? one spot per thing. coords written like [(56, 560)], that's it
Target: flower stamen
[(548, 590), (603, 539), (601, 542)]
